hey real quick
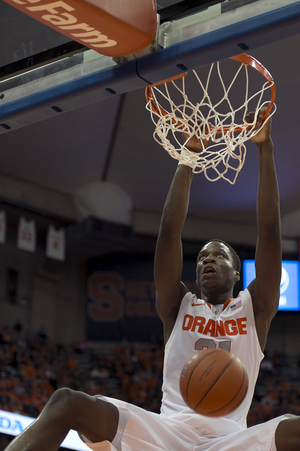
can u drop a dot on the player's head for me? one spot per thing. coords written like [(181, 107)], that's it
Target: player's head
[(218, 267), (235, 258)]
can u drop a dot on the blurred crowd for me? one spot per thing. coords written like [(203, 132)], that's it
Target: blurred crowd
[(32, 368), (278, 388)]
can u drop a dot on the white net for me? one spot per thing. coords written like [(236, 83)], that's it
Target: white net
[(222, 121)]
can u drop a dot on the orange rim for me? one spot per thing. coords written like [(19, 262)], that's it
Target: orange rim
[(156, 107), (244, 58)]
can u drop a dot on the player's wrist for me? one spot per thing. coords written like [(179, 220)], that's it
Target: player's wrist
[(188, 158), (266, 144)]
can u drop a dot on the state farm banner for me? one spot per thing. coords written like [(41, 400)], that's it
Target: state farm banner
[(113, 28), (121, 298)]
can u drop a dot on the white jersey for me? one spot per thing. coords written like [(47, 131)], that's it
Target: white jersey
[(200, 325), (178, 428)]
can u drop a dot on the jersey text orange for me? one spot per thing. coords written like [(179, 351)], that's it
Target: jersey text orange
[(215, 328)]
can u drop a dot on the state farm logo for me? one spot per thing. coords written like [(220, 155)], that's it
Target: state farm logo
[(57, 15)]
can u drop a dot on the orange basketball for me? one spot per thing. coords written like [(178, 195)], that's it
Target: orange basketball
[(213, 382)]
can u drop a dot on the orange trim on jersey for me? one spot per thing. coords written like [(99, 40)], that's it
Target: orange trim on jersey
[(227, 303), (224, 306)]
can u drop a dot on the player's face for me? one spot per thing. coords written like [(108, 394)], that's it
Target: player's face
[(215, 269)]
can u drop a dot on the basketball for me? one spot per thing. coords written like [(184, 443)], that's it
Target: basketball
[(213, 382)]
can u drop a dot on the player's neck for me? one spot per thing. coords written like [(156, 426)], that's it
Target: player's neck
[(217, 298)]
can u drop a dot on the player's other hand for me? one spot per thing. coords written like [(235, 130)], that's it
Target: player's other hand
[(264, 134), (195, 144)]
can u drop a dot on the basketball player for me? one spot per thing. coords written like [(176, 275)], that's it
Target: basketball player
[(214, 321)]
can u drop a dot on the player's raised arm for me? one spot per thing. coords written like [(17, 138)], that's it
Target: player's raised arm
[(265, 288), (168, 253)]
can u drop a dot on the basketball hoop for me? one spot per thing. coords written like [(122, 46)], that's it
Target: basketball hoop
[(221, 121)]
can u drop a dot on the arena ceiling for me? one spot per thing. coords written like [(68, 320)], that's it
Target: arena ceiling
[(46, 163)]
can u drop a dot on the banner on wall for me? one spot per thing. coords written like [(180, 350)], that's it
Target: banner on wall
[(2, 227), (121, 298), (13, 424), (26, 235), (55, 243)]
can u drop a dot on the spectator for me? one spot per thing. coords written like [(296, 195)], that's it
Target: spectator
[(31, 369)]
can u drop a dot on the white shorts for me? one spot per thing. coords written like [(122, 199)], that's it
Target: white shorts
[(141, 430)]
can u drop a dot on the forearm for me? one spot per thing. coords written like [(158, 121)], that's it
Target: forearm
[(177, 202), (268, 209)]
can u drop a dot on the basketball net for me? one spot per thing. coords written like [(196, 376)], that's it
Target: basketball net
[(226, 128)]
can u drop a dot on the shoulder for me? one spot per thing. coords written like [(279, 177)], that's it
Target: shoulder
[(244, 296), (242, 302), (261, 313), (170, 316)]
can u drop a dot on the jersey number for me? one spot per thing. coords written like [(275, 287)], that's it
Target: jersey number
[(209, 343)]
